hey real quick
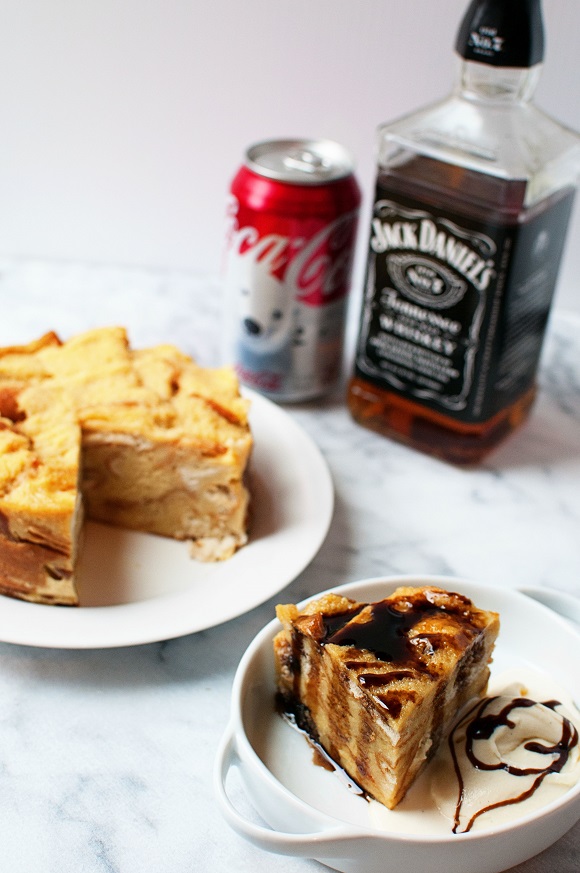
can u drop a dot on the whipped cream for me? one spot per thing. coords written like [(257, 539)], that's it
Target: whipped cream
[(506, 751)]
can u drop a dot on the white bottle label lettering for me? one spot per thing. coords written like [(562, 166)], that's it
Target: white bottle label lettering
[(454, 310)]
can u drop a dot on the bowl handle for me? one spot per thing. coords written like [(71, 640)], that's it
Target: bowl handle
[(563, 604), (306, 845)]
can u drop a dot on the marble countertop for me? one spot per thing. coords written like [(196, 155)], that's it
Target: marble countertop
[(106, 756)]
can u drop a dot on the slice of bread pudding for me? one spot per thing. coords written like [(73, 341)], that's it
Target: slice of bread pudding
[(142, 439), (378, 685)]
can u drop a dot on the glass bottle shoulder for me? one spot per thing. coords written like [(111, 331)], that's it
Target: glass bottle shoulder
[(501, 136)]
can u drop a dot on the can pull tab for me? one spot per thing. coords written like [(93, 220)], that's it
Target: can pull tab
[(305, 161)]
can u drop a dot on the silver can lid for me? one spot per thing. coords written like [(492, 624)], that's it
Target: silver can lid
[(300, 161)]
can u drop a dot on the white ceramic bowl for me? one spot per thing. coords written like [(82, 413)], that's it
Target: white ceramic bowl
[(310, 814)]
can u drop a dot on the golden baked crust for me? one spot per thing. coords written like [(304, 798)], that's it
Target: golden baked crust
[(40, 515), (378, 685), (143, 439)]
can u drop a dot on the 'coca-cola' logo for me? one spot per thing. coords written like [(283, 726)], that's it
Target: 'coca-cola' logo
[(316, 270)]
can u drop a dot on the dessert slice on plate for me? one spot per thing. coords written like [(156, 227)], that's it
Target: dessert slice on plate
[(378, 685), (141, 439)]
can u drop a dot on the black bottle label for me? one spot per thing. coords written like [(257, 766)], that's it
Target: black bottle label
[(455, 307)]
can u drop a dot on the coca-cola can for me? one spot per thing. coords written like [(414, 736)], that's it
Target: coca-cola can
[(292, 221)]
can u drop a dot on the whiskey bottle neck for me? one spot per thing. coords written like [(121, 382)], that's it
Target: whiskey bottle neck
[(497, 85)]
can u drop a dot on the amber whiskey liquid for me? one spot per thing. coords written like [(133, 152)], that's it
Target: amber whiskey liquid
[(460, 281)]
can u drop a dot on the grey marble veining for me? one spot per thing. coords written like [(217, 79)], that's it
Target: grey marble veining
[(106, 756)]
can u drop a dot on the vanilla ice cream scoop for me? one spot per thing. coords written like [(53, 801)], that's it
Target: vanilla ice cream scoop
[(505, 751)]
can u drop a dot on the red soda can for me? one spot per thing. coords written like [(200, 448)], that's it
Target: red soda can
[(292, 221)]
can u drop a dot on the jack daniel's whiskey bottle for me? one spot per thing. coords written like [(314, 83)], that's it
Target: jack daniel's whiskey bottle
[(472, 203)]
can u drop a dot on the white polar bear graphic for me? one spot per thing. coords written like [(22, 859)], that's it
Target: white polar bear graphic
[(262, 319)]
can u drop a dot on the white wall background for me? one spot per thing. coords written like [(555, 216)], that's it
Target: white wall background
[(122, 121)]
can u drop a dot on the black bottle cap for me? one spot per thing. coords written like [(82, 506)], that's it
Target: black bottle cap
[(503, 33)]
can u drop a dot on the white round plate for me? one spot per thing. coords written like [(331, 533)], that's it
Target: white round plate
[(138, 588)]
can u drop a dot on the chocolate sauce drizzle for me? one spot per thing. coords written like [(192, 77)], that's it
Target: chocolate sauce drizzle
[(481, 726), (386, 634)]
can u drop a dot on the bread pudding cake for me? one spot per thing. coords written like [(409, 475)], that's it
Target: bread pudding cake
[(144, 439), (378, 685)]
